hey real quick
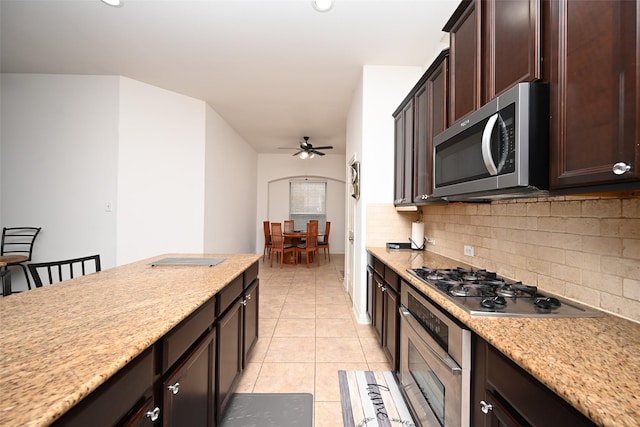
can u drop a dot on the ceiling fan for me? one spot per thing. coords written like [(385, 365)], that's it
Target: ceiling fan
[(307, 150)]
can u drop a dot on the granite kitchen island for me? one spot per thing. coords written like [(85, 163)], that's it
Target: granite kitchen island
[(61, 342)]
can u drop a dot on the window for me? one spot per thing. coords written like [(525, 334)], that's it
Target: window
[(307, 201)]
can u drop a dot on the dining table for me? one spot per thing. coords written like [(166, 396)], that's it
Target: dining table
[(295, 238)]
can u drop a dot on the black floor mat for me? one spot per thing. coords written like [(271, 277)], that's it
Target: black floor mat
[(269, 410)]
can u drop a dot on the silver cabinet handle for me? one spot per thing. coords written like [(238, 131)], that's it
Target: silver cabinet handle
[(485, 407), (383, 288), (153, 415), (244, 302), (248, 297), (174, 388), (620, 168)]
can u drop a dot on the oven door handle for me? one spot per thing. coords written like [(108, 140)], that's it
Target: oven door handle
[(413, 324)]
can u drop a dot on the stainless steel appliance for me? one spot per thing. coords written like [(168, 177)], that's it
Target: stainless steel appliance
[(435, 359), (499, 151), (484, 293)]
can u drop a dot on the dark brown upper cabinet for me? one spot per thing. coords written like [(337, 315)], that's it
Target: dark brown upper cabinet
[(420, 116), (430, 118), (403, 154), (464, 60), (593, 72), (511, 44), (494, 46)]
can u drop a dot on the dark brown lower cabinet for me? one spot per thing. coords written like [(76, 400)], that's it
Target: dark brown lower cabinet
[(503, 394), (147, 415), (391, 336), (229, 354), (188, 393), (384, 310), (377, 315), (251, 317)]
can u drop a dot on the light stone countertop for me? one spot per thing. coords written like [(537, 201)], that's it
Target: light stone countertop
[(58, 343), (593, 363)]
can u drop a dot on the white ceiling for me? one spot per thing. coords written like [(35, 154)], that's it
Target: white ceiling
[(275, 70)]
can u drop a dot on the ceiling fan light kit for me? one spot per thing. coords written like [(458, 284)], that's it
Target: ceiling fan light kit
[(322, 5), (307, 150), (114, 3)]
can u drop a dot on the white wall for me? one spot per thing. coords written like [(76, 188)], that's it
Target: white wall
[(59, 160), (230, 188), (72, 143), (370, 134), (274, 171), (161, 165)]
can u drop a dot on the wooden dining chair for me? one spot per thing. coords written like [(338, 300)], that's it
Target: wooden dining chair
[(278, 246), (288, 226), (267, 239), (48, 273), (310, 246), (324, 243)]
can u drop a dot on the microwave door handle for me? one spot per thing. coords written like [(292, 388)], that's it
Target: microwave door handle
[(486, 145)]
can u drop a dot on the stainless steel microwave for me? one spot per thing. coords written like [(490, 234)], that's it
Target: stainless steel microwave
[(499, 151)]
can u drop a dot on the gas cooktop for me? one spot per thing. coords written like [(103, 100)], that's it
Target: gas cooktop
[(484, 293)]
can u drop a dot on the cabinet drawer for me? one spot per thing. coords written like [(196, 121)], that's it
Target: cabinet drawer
[(250, 275), (391, 277), (229, 294), (378, 266), (115, 398), (185, 334)]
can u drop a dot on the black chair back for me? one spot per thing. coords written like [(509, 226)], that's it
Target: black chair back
[(48, 273)]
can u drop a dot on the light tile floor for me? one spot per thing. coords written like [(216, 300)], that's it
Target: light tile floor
[(307, 334)]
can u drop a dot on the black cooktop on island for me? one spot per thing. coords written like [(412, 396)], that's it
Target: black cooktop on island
[(484, 293)]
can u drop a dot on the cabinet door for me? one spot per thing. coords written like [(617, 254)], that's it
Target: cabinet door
[(430, 118), (229, 354), (510, 41), (148, 415), (499, 415), (464, 88), (188, 393), (378, 301), (391, 337), (251, 299), (404, 155), (513, 397), (594, 92)]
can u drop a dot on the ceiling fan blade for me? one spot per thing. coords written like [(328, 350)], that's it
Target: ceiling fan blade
[(326, 147), (288, 148), (295, 154), (320, 153)]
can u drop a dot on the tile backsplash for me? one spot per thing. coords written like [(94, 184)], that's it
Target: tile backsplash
[(583, 248)]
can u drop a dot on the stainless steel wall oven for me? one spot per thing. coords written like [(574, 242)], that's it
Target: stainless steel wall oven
[(435, 360)]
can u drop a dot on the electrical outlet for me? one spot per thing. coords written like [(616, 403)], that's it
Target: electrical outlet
[(108, 206), (468, 250)]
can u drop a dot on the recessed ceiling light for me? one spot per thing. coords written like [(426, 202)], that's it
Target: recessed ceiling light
[(322, 5), (114, 3)]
